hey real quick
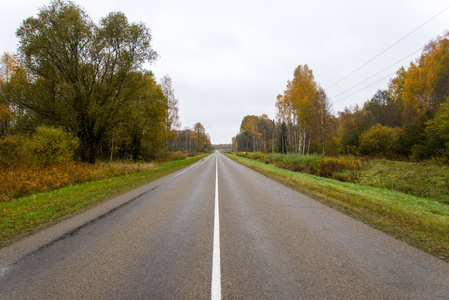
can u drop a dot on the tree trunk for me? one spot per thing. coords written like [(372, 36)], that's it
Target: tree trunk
[(88, 148), (308, 147), (88, 152), (112, 147)]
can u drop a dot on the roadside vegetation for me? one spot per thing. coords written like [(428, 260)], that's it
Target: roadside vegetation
[(20, 182), (409, 120), (427, 179), (420, 221), (25, 215), (385, 162), (81, 119)]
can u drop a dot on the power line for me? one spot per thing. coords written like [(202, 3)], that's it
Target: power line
[(354, 86), (388, 48), (364, 88)]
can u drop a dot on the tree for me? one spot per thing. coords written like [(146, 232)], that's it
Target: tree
[(142, 130), (265, 129), (383, 109), (304, 94), (8, 68), (438, 128), (304, 108), (234, 146), (82, 75), (249, 129), (353, 122), (199, 135), (434, 65), (396, 85), (417, 93), (172, 120), (173, 117), (283, 143), (13, 88), (426, 84), (414, 96), (241, 142), (377, 107), (155, 108)]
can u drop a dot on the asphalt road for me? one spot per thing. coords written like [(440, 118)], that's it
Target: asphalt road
[(157, 243)]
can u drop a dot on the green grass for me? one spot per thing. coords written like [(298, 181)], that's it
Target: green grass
[(421, 222), (26, 215), (425, 179)]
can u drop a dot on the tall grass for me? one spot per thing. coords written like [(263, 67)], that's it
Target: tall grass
[(20, 182), (427, 179), (309, 163)]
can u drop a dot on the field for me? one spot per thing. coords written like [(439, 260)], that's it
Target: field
[(420, 221)]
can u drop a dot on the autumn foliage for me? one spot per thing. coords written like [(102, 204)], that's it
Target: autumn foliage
[(19, 182), (89, 81), (408, 120)]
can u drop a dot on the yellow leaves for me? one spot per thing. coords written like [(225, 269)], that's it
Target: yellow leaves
[(414, 95), (425, 85), (249, 124), (9, 64), (5, 113), (381, 140), (6, 117), (200, 137), (332, 165), (301, 96)]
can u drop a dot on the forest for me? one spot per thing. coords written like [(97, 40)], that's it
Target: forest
[(408, 120), (76, 90)]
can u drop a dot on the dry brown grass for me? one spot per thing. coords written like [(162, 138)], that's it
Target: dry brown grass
[(20, 182)]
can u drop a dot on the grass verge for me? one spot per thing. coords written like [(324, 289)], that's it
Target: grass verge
[(421, 222), (424, 179), (26, 215)]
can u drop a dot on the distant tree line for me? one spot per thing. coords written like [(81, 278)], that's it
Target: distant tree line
[(226, 147), (194, 139), (88, 81), (410, 119)]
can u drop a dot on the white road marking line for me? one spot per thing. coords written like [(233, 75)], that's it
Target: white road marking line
[(216, 269)]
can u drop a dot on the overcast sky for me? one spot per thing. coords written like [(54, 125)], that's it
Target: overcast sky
[(228, 59)]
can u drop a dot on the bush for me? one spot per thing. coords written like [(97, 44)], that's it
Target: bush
[(290, 159), (381, 141), (332, 165), (53, 145), (15, 151), (257, 156), (45, 147), (309, 160), (276, 158)]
